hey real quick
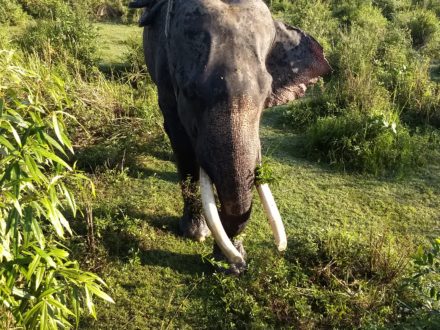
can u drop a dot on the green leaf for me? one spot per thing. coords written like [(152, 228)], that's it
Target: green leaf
[(54, 143), (53, 157), (101, 294), (6, 143), (53, 217), (32, 266), (36, 229), (33, 313), (39, 276), (16, 136), (69, 198), (56, 127), (33, 169), (63, 221), (46, 257), (89, 302), (43, 317), (59, 305), (63, 254)]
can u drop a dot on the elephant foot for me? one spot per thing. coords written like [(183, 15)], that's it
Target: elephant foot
[(194, 228), (234, 268)]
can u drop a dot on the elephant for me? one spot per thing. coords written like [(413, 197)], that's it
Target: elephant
[(217, 65)]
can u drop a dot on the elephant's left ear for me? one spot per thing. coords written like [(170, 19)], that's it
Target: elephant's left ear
[(295, 61)]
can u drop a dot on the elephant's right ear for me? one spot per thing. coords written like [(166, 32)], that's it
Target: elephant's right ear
[(295, 61)]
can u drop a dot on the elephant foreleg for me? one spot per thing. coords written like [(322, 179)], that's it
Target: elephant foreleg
[(192, 224)]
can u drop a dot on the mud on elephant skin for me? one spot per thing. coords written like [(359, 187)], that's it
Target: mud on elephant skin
[(217, 64)]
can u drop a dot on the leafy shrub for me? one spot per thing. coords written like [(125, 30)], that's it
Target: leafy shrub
[(11, 13), (115, 10), (44, 9), (424, 27), (390, 8), (418, 96), (69, 36), (369, 143), (433, 5), (347, 11), (420, 292), (313, 17), (40, 287), (376, 71)]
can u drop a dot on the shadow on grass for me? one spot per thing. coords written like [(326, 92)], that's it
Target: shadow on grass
[(128, 247), (124, 153), (179, 262), (142, 172)]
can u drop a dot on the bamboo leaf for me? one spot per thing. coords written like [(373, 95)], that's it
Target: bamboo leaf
[(53, 157), (89, 302), (101, 294), (16, 136), (54, 143), (6, 143), (32, 266), (56, 127)]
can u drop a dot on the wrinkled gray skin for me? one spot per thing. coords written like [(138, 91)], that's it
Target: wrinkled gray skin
[(217, 65)]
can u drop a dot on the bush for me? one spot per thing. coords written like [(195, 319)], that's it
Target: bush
[(375, 144), (40, 286), (44, 9), (354, 86), (313, 17), (376, 72), (115, 10), (390, 8), (424, 27), (68, 37), (11, 13), (420, 292), (433, 5)]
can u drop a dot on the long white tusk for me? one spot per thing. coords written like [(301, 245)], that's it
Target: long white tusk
[(271, 209), (213, 220)]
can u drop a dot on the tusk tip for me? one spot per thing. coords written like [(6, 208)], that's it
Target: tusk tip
[(238, 260), (282, 246)]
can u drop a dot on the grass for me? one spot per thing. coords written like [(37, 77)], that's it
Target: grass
[(350, 238), (160, 280), (113, 47), (435, 70)]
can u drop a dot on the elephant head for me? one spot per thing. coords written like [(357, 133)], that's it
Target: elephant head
[(217, 64)]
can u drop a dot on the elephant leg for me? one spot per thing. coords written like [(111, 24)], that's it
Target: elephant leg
[(192, 224)]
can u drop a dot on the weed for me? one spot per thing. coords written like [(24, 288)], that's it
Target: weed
[(67, 37), (265, 174), (11, 13), (424, 28)]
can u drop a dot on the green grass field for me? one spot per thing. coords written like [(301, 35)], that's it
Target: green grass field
[(112, 39), (352, 238), (160, 280), (349, 239)]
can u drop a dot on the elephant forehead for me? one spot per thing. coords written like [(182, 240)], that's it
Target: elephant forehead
[(234, 36)]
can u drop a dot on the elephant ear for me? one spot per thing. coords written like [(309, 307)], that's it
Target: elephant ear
[(295, 61)]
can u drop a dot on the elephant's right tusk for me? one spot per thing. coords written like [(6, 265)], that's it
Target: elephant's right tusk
[(214, 223), (271, 209)]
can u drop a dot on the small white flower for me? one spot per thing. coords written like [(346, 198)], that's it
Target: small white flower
[(393, 127)]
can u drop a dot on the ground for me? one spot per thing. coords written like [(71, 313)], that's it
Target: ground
[(160, 280)]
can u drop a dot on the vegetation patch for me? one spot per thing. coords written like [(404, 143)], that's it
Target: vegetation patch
[(362, 251)]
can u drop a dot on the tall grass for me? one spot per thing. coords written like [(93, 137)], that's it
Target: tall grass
[(380, 52)]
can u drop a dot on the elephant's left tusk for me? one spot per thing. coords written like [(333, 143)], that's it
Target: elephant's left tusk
[(271, 209)]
